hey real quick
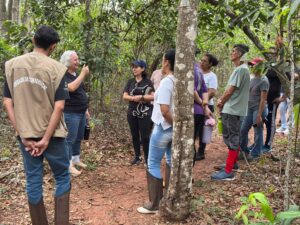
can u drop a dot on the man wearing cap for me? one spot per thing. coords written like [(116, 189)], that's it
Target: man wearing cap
[(233, 106), (257, 110), (34, 97), (139, 93)]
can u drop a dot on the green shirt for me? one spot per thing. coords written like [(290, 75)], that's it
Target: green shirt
[(237, 104)]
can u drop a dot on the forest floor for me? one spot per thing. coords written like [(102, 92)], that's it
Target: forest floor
[(110, 189)]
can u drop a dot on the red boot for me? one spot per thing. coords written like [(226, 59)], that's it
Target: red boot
[(231, 160)]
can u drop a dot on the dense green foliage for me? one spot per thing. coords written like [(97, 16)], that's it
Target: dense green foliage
[(256, 210), (108, 35)]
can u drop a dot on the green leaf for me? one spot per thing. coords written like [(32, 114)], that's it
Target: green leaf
[(243, 199), (294, 208), (241, 211), (254, 18), (249, 14), (245, 219), (265, 207), (252, 200), (267, 211), (261, 198), (294, 8), (288, 216)]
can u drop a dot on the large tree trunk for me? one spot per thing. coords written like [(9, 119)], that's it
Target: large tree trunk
[(15, 12), (176, 202), (2, 14)]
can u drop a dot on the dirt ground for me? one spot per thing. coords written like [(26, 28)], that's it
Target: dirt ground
[(111, 194), (110, 190)]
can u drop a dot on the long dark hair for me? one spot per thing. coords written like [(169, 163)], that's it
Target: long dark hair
[(212, 59), (170, 56), (144, 74)]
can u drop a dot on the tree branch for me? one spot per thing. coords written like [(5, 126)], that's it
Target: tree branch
[(255, 40), (136, 16)]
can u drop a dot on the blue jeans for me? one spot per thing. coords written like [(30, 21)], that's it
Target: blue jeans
[(58, 159), (283, 108), (160, 144), (248, 122), (75, 124)]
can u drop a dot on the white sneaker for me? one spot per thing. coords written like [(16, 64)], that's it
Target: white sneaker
[(146, 211), (80, 164), (73, 171), (280, 130), (286, 132)]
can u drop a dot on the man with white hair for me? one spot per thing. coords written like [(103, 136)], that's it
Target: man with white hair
[(76, 108)]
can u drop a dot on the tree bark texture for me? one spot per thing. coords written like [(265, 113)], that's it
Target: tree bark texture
[(88, 33), (25, 16), (289, 159), (9, 9), (175, 204), (15, 12), (2, 14)]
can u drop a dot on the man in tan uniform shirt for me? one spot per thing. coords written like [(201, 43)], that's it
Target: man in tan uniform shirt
[(34, 98)]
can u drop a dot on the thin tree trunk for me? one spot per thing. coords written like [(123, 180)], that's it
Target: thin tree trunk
[(176, 202), (9, 9), (25, 16), (2, 14), (15, 12), (290, 139), (87, 41)]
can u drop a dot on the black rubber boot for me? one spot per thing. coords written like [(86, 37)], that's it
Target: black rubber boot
[(200, 155), (62, 209), (38, 213), (167, 176), (155, 188)]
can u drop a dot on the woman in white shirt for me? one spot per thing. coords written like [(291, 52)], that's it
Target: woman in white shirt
[(161, 137), (211, 82), (210, 78)]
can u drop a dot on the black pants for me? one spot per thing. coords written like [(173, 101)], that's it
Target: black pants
[(269, 123), (198, 132), (140, 129), (212, 108)]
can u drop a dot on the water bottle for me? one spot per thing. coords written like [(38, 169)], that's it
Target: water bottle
[(87, 131), (220, 125)]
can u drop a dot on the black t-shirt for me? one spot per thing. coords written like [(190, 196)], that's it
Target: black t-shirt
[(275, 86), (61, 93), (143, 87), (78, 101)]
